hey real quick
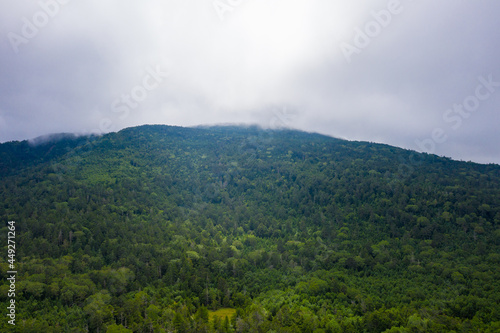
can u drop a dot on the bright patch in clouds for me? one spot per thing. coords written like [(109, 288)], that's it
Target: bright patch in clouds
[(264, 55)]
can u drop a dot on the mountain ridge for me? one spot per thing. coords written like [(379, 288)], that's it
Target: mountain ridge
[(149, 227), (42, 146)]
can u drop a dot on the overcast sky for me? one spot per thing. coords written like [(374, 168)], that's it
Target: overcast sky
[(423, 75)]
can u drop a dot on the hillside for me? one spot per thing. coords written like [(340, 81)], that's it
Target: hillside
[(150, 228)]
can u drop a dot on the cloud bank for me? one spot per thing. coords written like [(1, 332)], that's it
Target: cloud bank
[(394, 72)]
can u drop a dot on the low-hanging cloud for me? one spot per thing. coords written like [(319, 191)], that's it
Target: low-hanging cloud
[(69, 66)]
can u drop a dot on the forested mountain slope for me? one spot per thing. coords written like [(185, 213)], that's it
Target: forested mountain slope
[(152, 228)]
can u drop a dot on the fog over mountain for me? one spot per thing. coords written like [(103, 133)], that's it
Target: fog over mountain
[(228, 229), (415, 74)]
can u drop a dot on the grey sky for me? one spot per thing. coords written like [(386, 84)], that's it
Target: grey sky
[(394, 72)]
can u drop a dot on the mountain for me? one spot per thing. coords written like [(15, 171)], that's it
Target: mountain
[(170, 229), (17, 155)]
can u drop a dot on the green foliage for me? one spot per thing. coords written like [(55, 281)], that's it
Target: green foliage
[(162, 228), (114, 328)]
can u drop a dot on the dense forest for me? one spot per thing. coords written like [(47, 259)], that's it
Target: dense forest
[(241, 229)]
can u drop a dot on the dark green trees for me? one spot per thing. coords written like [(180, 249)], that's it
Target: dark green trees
[(151, 228)]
